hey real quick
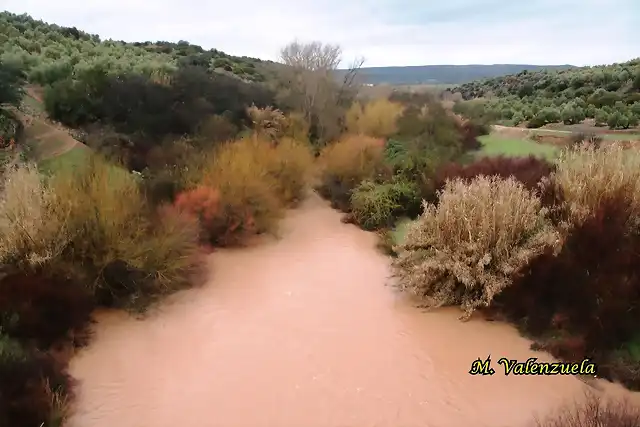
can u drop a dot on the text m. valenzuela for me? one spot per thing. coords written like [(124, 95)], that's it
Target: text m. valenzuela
[(533, 367)]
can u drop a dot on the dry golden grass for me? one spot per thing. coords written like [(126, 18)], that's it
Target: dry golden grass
[(588, 175), (33, 223), (376, 118), (465, 250)]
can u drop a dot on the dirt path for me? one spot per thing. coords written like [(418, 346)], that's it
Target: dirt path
[(304, 332)]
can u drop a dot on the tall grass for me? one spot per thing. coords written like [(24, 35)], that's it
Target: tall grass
[(588, 175), (466, 249), (33, 222)]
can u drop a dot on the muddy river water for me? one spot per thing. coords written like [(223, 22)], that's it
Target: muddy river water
[(304, 331)]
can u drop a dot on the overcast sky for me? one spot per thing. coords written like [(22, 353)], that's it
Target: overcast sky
[(385, 32)]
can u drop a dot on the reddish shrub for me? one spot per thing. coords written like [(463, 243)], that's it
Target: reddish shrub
[(528, 170), (42, 309), (34, 388), (470, 133), (203, 203), (590, 290)]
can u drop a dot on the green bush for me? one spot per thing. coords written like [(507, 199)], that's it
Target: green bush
[(377, 206)]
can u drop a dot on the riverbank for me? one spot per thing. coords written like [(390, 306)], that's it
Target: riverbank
[(308, 335)]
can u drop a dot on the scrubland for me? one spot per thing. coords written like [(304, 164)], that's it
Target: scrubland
[(192, 160)]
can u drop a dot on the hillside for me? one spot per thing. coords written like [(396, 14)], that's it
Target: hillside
[(445, 74), (50, 52), (59, 83), (606, 95)]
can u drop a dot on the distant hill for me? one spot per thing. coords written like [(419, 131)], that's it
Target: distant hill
[(446, 74), (607, 94)]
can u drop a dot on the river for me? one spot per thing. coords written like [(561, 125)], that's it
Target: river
[(304, 331)]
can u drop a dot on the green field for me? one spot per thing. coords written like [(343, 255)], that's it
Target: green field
[(69, 159), (493, 145)]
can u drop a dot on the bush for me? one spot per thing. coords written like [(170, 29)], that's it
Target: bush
[(203, 203), (346, 163), (33, 220), (588, 294), (242, 171), (587, 176), (376, 206), (376, 118), (118, 245), (578, 138), (34, 389), (44, 310), (593, 412), (291, 165), (529, 171), (468, 248)]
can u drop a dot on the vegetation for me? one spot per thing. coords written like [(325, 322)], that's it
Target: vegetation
[(186, 147), (560, 261), (609, 95)]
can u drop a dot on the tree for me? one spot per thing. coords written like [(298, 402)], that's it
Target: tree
[(314, 86), (12, 80), (602, 117)]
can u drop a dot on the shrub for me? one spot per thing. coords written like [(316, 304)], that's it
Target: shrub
[(346, 163), (593, 412), (528, 171), (119, 246), (34, 389), (588, 175), (33, 222), (467, 249), (204, 204), (578, 138), (376, 118), (589, 293), (291, 165), (267, 122), (249, 201), (44, 310), (377, 206)]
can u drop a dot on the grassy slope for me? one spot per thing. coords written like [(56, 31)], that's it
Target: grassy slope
[(48, 143)]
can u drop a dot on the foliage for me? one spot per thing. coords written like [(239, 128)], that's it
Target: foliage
[(377, 118), (12, 80), (148, 111), (346, 163), (527, 170), (376, 206), (35, 389), (249, 200), (467, 249), (552, 96), (51, 53), (94, 224), (588, 175)]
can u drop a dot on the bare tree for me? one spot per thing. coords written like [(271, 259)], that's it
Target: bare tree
[(314, 85)]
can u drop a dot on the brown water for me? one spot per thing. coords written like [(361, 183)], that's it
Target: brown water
[(303, 332)]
